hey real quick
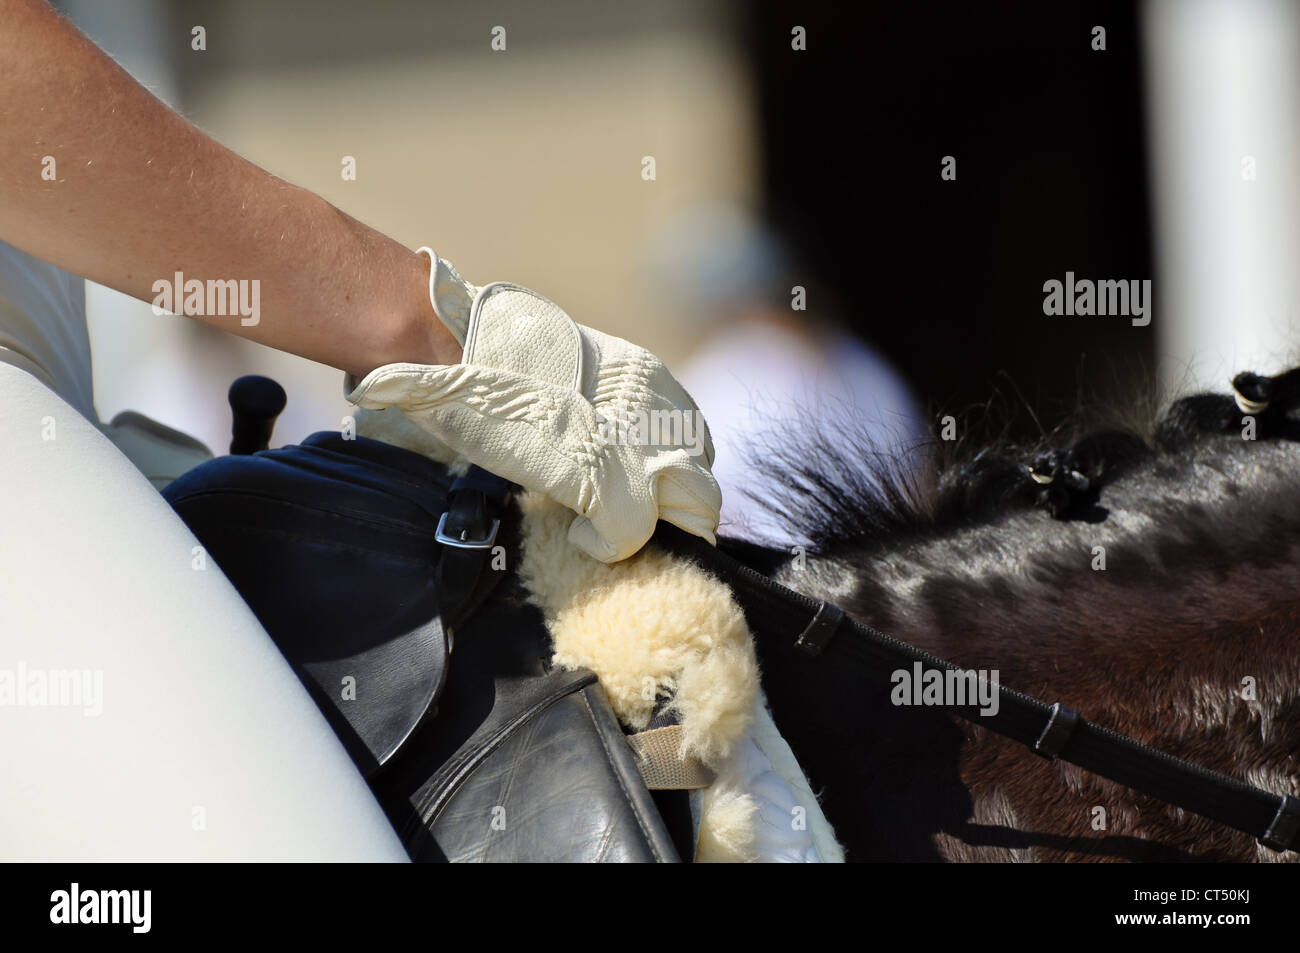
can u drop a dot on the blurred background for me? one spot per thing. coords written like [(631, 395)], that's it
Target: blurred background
[(798, 244)]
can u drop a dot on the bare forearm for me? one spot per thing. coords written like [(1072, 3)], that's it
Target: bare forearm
[(140, 194)]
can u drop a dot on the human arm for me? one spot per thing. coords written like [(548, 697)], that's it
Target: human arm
[(140, 193)]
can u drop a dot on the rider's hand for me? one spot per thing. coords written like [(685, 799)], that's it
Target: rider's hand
[(590, 420)]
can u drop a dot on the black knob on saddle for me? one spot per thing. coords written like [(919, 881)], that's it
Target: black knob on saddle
[(255, 402)]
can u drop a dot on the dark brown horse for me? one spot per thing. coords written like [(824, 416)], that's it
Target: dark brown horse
[(1150, 582)]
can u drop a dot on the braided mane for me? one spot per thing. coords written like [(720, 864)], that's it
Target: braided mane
[(852, 497)]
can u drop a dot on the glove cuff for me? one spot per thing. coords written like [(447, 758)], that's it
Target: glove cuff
[(451, 295)]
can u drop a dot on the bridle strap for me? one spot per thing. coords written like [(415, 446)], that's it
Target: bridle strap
[(1054, 731)]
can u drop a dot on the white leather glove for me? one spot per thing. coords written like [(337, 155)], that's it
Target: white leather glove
[(592, 421)]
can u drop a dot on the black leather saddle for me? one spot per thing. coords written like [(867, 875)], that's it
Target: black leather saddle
[(391, 589)]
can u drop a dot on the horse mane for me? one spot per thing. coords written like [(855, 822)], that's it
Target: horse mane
[(848, 495)]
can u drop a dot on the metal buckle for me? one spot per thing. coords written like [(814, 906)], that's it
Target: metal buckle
[(462, 543)]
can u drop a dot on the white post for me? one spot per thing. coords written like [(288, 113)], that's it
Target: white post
[(1222, 84)]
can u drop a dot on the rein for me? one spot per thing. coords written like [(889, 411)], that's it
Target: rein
[(1053, 731)]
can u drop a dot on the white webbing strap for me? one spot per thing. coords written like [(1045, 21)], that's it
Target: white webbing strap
[(661, 765)]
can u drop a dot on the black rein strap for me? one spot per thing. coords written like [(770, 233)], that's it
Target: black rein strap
[(1053, 731)]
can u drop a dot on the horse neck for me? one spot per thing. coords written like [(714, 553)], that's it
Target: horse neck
[(1183, 597)]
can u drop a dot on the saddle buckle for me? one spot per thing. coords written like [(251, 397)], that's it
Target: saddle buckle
[(463, 541)]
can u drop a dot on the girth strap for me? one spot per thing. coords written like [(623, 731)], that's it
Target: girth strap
[(1051, 730)]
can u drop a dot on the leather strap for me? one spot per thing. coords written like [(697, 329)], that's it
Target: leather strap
[(1057, 731), (775, 611), (815, 637), (1284, 832), (467, 534), (662, 767)]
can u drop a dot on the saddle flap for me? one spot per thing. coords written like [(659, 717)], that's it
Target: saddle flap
[(378, 697)]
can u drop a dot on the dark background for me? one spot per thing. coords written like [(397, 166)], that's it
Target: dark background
[(945, 277)]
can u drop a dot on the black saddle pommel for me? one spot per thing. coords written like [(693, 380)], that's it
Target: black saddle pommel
[(255, 403)]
